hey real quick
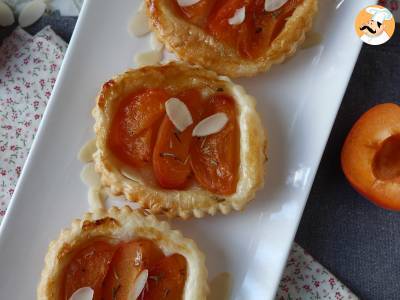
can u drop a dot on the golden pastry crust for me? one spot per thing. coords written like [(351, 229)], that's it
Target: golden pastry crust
[(194, 200), (196, 46), (119, 225)]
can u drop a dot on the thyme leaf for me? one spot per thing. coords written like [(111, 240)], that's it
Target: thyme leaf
[(114, 291), (166, 292), (177, 137)]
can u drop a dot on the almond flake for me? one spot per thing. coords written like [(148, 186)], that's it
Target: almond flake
[(184, 3), (238, 17), (140, 283), (155, 42), (178, 113), (139, 23), (148, 58), (85, 293), (210, 125), (272, 5), (31, 12), (85, 155), (6, 15), (89, 176), (96, 198)]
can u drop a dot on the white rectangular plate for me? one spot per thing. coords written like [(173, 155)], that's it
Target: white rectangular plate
[(298, 101)]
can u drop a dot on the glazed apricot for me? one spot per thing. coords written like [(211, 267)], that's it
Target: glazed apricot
[(258, 29), (371, 156), (135, 125), (166, 279), (215, 158), (129, 260), (171, 164), (197, 13), (88, 268)]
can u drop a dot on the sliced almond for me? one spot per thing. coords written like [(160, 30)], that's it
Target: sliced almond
[(85, 155), (85, 293), (6, 15), (89, 176), (31, 12), (139, 23), (238, 17), (184, 3), (210, 125), (96, 198), (178, 113), (272, 5), (155, 42), (148, 58), (140, 283)]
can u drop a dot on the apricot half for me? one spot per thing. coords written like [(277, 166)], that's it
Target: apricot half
[(371, 156)]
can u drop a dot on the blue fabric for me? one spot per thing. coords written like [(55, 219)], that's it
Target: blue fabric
[(357, 241)]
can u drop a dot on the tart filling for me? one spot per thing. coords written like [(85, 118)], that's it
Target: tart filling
[(179, 140), (117, 271), (232, 37), (122, 254), (241, 24), (178, 135)]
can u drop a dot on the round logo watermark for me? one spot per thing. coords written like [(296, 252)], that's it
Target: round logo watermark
[(375, 25)]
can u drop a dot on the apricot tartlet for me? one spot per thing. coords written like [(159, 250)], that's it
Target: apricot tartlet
[(179, 140), (371, 155), (232, 37), (122, 254)]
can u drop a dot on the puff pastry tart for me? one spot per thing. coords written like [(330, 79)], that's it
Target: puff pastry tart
[(179, 140), (232, 37), (122, 254)]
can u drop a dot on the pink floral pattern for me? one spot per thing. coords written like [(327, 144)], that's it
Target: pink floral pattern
[(305, 278), (28, 70)]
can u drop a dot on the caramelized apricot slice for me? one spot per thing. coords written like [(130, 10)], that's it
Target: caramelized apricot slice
[(88, 268), (371, 155), (219, 26), (256, 32), (215, 158), (171, 163), (135, 125), (166, 279), (129, 260), (197, 13)]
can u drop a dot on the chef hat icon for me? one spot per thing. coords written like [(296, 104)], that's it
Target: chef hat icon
[(379, 14)]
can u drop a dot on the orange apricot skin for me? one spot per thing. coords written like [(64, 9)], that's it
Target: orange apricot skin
[(88, 267), (166, 279), (128, 261), (361, 145)]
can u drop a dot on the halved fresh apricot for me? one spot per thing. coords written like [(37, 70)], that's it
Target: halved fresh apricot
[(371, 155), (129, 260), (88, 268), (135, 125), (215, 158), (166, 279), (171, 164)]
